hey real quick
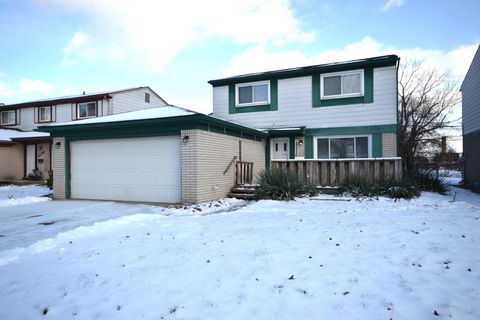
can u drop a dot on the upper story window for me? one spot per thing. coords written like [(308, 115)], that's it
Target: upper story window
[(342, 84), (86, 110), (147, 97), (8, 117), (251, 94), (342, 147), (45, 114)]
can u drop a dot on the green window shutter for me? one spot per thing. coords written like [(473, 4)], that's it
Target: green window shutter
[(273, 106), (308, 147), (377, 145)]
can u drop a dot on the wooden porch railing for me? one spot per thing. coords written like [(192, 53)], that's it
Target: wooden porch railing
[(334, 172), (244, 172)]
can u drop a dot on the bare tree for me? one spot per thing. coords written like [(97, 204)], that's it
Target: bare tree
[(426, 100)]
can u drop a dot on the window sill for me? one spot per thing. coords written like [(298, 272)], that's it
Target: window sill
[(246, 105), (342, 96), (83, 118)]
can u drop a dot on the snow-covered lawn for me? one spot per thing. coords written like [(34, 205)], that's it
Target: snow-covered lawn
[(317, 258)]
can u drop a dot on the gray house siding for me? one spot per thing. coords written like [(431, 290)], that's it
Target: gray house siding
[(471, 122)]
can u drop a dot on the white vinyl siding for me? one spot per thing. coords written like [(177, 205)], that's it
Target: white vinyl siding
[(295, 106), (132, 101), (137, 169)]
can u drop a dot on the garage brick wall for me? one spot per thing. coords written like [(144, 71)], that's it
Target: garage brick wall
[(205, 157), (11, 162), (58, 167)]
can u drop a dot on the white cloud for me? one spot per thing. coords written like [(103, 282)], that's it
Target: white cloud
[(392, 4), (152, 33), (18, 90), (5, 91), (259, 58), (28, 86), (79, 48)]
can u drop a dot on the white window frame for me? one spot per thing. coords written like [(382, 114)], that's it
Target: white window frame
[(342, 73), (86, 103), (8, 123), (248, 84), (315, 146), (49, 108)]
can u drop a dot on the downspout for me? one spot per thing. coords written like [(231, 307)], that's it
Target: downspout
[(396, 91)]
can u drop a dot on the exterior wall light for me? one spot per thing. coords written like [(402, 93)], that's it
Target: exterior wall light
[(57, 145), (185, 139)]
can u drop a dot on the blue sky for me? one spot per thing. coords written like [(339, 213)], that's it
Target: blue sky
[(56, 47)]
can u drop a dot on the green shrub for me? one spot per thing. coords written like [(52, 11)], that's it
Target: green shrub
[(427, 180), (406, 188), (310, 190), (278, 184), (359, 187)]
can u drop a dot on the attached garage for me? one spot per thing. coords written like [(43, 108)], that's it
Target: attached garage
[(160, 155), (136, 169)]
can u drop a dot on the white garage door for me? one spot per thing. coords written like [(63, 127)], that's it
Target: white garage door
[(139, 169)]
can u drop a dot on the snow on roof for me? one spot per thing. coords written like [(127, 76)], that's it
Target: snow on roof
[(8, 135), (81, 95), (153, 113)]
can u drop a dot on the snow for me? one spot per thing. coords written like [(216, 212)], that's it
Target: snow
[(153, 113), (8, 135), (305, 259)]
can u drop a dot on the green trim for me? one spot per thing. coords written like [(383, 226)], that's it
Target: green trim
[(366, 98), (153, 127), (286, 133), (291, 144), (67, 169), (308, 147), (388, 128), (368, 85), (377, 148), (273, 106), (375, 62)]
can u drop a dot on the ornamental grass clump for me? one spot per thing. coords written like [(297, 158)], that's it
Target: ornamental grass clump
[(278, 184)]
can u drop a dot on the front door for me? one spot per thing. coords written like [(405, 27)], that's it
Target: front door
[(279, 148), (30, 159)]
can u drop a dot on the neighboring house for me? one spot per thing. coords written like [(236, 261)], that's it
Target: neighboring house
[(471, 122), (329, 111), (163, 155), (21, 152)]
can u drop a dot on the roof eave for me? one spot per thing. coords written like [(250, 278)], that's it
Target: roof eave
[(388, 60)]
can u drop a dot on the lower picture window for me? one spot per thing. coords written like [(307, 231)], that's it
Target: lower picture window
[(342, 147)]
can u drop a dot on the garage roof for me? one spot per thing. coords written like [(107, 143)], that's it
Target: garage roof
[(152, 113), (149, 122), (7, 135)]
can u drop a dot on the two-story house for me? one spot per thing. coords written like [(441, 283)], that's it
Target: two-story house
[(328, 111), (471, 123), (22, 150), (318, 115)]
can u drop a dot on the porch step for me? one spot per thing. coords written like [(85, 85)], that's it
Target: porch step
[(244, 192)]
